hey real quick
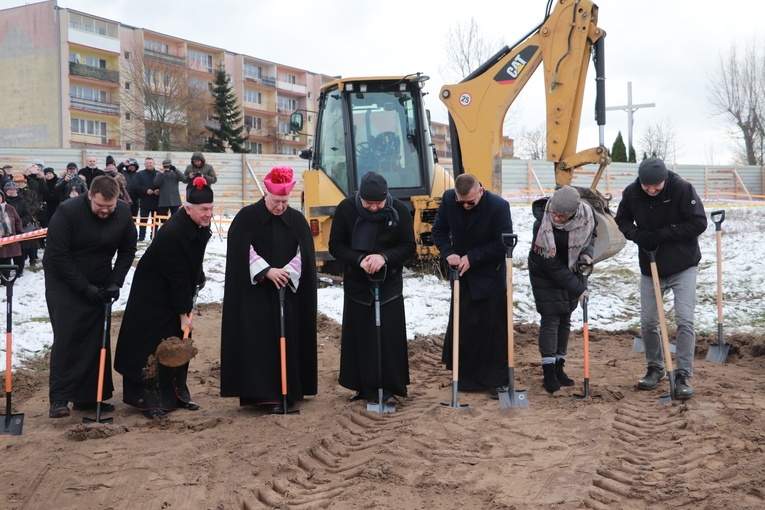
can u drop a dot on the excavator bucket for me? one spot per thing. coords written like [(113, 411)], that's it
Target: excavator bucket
[(609, 240)]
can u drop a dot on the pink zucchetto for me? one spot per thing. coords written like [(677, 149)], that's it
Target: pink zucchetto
[(280, 181)]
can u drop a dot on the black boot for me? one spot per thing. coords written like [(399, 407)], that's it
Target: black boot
[(563, 379), (550, 383)]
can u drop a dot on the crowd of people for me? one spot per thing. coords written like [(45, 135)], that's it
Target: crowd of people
[(271, 282)]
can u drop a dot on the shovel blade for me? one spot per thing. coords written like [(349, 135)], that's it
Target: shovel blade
[(518, 398), (12, 424), (381, 408), (97, 420), (718, 353), (639, 346)]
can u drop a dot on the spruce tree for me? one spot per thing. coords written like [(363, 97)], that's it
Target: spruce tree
[(226, 111), (633, 156), (619, 151)]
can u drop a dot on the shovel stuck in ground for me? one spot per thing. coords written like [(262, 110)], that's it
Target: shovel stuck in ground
[(586, 270), (380, 406), (719, 353), (455, 276), (12, 423), (101, 370), (511, 397)]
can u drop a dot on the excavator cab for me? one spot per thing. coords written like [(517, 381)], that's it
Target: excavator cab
[(372, 125)]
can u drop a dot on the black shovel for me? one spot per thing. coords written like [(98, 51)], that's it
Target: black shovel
[(380, 407), (719, 353), (663, 327), (283, 355), (454, 274), (585, 270), (12, 423), (101, 370), (511, 397)]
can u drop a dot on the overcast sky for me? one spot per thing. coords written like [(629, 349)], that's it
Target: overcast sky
[(668, 49)]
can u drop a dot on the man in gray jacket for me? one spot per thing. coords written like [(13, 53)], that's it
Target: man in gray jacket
[(166, 181)]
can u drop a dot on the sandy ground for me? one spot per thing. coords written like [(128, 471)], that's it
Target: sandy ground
[(626, 450)]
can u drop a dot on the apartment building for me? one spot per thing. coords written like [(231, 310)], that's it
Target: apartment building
[(76, 80)]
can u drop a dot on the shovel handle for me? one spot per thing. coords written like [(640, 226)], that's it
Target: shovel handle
[(509, 240), (717, 218), (187, 329)]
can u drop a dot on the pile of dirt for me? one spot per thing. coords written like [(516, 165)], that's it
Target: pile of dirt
[(626, 450)]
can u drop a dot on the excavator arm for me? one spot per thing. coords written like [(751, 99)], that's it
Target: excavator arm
[(477, 106)]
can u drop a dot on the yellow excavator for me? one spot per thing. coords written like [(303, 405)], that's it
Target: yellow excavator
[(381, 124)]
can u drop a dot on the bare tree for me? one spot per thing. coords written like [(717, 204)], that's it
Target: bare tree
[(737, 91), (532, 144), (168, 111), (466, 49), (660, 140)]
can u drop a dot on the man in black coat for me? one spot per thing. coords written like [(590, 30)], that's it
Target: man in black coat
[(372, 235), (662, 212), (148, 194), (90, 171), (129, 170), (468, 232), (269, 247), (160, 304), (80, 280)]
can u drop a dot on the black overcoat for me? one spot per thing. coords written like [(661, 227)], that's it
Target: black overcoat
[(250, 332), (358, 350), (163, 288), (79, 252)]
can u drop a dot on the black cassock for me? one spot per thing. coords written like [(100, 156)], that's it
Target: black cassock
[(358, 352), (163, 288), (250, 359), (78, 252)]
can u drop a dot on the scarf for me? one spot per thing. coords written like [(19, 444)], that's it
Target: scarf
[(6, 228), (579, 228), (368, 224)]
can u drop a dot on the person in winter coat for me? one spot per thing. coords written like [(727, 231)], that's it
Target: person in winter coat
[(563, 236), (468, 232), (12, 197), (111, 171), (10, 224), (148, 194), (199, 167), (50, 196), (160, 304), (71, 184), (129, 170), (167, 180), (661, 212), (91, 247), (372, 235), (90, 171)]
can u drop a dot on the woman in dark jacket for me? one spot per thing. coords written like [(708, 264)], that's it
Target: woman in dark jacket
[(564, 234), (50, 196), (10, 224)]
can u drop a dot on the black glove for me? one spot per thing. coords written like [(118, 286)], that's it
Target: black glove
[(110, 293), (646, 240), (92, 293)]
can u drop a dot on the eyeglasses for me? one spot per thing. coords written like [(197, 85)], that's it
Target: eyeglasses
[(471, 203)]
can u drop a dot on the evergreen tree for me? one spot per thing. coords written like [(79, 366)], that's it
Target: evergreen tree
[(226, 111), (633, 156), (619, 150)]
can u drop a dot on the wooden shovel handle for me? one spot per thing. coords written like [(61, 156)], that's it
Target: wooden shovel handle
[(187, 329)]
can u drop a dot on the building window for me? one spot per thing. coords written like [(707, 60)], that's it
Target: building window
[(127, 85), (128, 116), (87, 93), (251, 71), (290, 78), (198, 84), (287, 103), (88, 127), (254, 147), (283, 128), (200, 61), (127, 55), (157, 46), (128, 146), (254, 123), (93, 26), (252, 96)]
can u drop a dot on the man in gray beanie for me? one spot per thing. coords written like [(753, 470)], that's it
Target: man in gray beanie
[(662, 213)]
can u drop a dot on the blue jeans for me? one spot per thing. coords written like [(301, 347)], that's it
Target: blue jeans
[(683, 285)]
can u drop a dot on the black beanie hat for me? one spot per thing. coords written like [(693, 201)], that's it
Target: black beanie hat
[(652, 171), (374, 187), (71, 165), (199, 192), (49, 170), (110, 160)]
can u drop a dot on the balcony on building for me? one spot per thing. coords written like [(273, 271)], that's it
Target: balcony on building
[(93, 32), (266, 81), (164, 58), (94, 106), (94, 73)]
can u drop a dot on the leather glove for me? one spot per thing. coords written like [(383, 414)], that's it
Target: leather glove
[(110, 293), (585, 294), (646, 240), (92, 293)]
